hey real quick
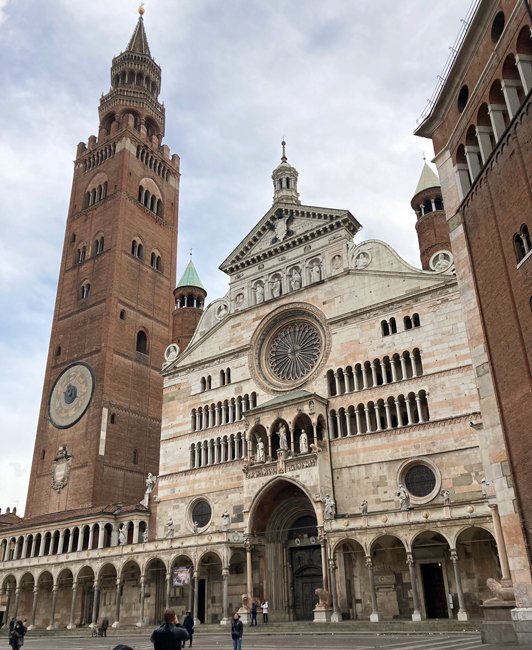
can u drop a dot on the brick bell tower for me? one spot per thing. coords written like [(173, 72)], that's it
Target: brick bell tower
[(431, 225), (99, 425)]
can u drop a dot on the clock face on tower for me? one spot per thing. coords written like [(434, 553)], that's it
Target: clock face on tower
[(71, 395)]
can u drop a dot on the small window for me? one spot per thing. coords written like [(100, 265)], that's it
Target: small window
[(393, 326), (98, 246), (463, 96), (497, 26), (228, 376), (85, 291), (43, 454), (142, 342), (408, 322), (58, 351), (135, 457), (415, 320), (112, 419), (385, 329), (122, 314), (73, 238)]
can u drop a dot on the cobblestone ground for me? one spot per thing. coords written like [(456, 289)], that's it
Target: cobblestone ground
[(309, 641)]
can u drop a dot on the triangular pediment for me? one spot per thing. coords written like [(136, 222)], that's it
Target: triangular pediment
[(285, 227)]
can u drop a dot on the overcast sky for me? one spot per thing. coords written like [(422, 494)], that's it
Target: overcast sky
[(343, 80)]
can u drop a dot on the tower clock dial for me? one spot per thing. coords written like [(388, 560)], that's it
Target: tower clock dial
[(71, 395)]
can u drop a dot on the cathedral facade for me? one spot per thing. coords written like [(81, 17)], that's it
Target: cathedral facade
[(314, 434)]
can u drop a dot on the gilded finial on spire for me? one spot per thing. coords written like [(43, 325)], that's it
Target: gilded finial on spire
[(141, 9), (283, 157)]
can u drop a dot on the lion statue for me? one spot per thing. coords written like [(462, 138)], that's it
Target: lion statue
[(246, 601), (324, 598), (499, 591)]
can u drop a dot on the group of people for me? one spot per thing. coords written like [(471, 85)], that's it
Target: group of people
[(265, 611)]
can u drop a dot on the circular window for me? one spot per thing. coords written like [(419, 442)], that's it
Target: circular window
[(463, 96), (294, 351), (201, 513), (497, 27), (420, 480), (289, 347)]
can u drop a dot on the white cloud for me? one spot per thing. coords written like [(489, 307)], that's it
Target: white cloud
[(344, 81)]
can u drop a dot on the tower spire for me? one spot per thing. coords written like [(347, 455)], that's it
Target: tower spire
[(284, 178)]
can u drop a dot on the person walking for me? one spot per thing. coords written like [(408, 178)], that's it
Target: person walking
[(188, 624), (265, 610), (254, 613), (104, 626), (237, 630), (169, 635), (16, 638)]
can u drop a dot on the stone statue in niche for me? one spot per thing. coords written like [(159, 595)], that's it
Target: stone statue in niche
[(151, 480), (303, 442), (261, 452), (259, 293), (364, 507), (239, 300), (315, 272), (295, 279), (446, 496), (122, 535), (336, 262), (222, 311), (170, 528), (329, 509), (362, 260), (145, 536), (283, 440), (226, 519), (276, 286), (404, 497), (441, 262)]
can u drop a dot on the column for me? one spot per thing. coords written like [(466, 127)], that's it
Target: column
[(101, 533), (136, 539), (195, 608), (43, 544), (416, 616), (71, 541), (249, 569), (168, 582), (336, 383), (197, 422), (496, 113), (269, 445), (339, 425), (331, 426), (523, 63), (209, 453), (364, 375), (484, 142), (117, 607), (419, 409), (24, 546), (403, 366), (409, 410), (462, 613), (17, 600), (378, 416), (325, 573), (422, 209), (60, 542), (52, 613), (80, 539), (388, 415), (225, 596), (196, 455), (356, 379), (398, 411), (218, 413), (472, 158), (91, 534), (373, 373), (433, 204), (509, 90), (374, 616), (94, 615), (358, 420), (394, 369), (33, 607), (348, 422), (368, 421), (499, 538), (71, 625), (142, 597), (335, 617)]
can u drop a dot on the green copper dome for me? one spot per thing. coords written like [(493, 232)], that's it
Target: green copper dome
[(190, 278)]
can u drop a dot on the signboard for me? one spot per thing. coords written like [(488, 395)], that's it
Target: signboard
[(181, 576)]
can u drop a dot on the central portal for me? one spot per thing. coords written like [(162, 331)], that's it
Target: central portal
[(307, 577)]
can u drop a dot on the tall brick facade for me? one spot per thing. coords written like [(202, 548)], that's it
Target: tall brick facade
[(114, 301), (481, 129)]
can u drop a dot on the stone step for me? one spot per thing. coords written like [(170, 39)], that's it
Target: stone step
[(443, 626)]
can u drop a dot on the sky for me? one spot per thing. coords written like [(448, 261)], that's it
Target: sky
[(344, 81)]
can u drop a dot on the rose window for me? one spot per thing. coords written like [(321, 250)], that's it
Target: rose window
[(294, 351)]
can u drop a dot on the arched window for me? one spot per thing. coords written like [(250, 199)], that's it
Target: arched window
[(135, 457), (85, 290), (98, 245), (203, 384), (80, 254), (228, 376), (136, 249), (122, 314), (112, 419), (393, 326), (522, 243), (415, 320), (222, 377), (407, 322), (385, 329), (142, 342)]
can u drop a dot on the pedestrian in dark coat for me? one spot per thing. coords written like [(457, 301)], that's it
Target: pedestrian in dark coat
[(170, 635), (16, 639), (237, 630), (188, 624), (253, 613)]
